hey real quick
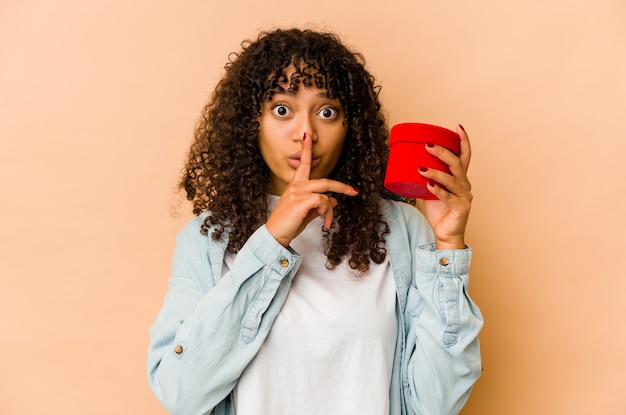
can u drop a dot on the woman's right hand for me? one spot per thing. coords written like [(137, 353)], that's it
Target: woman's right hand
[(304, 199)]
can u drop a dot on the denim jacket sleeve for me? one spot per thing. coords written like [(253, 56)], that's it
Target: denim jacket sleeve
[(211, 325), (443, 326), (440, 355)]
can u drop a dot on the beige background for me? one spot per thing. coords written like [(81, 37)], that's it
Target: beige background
[(97, 105)]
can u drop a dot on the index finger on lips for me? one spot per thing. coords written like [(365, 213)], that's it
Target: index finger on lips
[(303, 171)]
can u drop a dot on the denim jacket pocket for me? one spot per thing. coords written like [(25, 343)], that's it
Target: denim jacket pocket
[(414, 305), (414, 302)]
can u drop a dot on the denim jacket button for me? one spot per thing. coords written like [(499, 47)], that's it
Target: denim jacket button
[(444, 262), (178, 349), (283, 262)]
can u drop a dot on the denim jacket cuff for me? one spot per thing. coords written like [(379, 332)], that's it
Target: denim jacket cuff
[(265, 247), (446, 261)]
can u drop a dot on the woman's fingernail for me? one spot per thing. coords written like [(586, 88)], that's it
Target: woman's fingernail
[(422, 169), (462, 128), (431, 145), (431, 183), (355, 189), (304, 137)]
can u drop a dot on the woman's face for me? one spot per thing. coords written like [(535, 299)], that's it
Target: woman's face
[(284, 121)]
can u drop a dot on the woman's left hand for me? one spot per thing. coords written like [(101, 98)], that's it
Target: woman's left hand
[(448, 215)]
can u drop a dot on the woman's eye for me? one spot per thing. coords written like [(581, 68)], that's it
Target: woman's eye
[(280, 110), (328, 113)]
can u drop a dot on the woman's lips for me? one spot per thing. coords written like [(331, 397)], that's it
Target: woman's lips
[(294, 160)]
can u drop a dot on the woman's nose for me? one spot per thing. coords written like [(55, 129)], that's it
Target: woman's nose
[(305, 126)]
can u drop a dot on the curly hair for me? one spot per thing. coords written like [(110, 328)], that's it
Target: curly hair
[(226, 175)]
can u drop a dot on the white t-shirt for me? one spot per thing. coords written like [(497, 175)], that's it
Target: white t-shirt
[(331, 348)]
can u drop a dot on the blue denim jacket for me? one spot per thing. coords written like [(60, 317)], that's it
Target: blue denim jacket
[(213, 323)]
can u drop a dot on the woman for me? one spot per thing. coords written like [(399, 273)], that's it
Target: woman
[(302, 287)]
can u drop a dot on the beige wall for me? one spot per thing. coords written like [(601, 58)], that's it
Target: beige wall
[(97, 105)]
